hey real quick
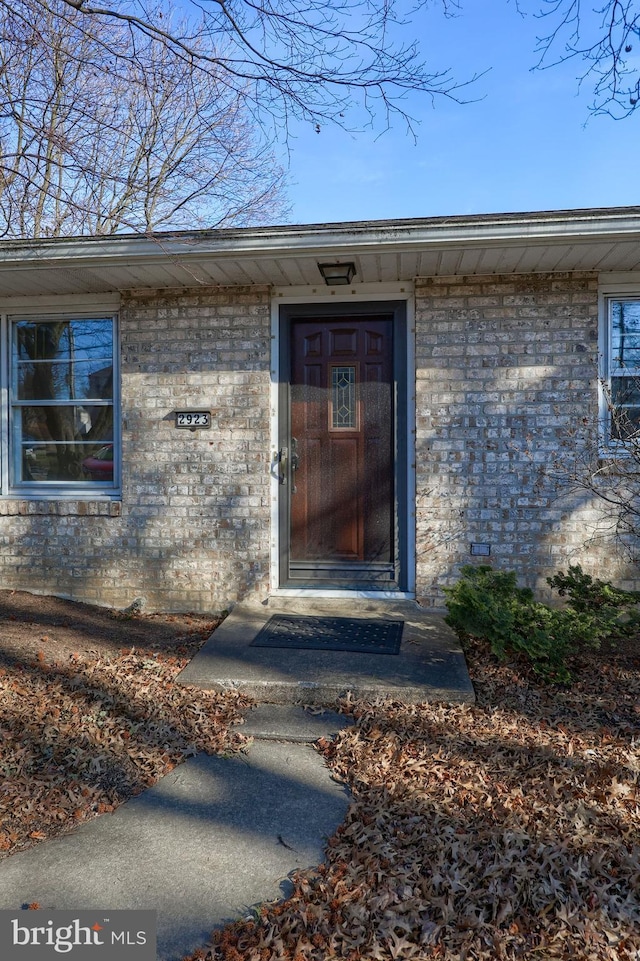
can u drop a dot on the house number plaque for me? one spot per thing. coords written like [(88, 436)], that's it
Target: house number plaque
[(193, 419)]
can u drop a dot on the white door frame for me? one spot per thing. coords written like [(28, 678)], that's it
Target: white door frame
[(360, 293)]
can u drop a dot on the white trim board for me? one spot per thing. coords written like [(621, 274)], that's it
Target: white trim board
[(356, 292), (60, 303)]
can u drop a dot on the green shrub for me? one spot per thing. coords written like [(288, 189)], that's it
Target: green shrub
[(616, 610), (484, 602), (488, 604)]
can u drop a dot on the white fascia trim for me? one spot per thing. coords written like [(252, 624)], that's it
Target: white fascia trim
[(328, 239), (619, 282), (60, 303)]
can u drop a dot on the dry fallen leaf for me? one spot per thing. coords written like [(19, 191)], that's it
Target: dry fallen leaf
[(505, 830), (79, 738)]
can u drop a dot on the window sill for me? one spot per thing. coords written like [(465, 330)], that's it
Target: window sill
[(82, 507)]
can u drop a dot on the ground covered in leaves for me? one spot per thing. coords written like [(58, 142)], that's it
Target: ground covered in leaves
[(504, 830), (90, 714), (508, 829)]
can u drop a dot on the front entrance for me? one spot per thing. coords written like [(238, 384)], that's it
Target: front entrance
[(340, 464)]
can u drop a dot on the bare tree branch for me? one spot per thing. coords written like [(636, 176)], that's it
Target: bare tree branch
[(605, 37), (103, 134), (602, 466), (313, 59)]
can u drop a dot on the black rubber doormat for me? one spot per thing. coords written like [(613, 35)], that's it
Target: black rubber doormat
[(356, 634)]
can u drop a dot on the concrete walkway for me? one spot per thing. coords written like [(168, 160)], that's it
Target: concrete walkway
[(208, 841), (220, 834)]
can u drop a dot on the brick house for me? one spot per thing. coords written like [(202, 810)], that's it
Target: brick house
[(197, 417)]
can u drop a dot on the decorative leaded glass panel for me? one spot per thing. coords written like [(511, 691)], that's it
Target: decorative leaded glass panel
[(343, 396)]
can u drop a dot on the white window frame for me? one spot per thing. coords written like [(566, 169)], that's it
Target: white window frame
[(20, 309)]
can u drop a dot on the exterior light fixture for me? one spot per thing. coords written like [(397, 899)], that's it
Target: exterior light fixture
[(337, 273)]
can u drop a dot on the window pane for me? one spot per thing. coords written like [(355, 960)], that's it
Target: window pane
[(63, 340), (64, 381), (59, 443), (625, 423), (66, 462), (625, 391), (625, 407), (64, 424), (625, 333)]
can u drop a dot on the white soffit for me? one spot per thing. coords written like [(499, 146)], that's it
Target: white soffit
[(383, 252)]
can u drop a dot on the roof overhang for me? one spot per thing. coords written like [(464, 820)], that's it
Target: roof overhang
[(383, 251)]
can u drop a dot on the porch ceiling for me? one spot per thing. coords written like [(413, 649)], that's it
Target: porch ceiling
[(383, 251)]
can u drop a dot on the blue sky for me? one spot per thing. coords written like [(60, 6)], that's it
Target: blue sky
[(528, 144)]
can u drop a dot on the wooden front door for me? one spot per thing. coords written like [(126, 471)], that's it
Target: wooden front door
[(341, 483)]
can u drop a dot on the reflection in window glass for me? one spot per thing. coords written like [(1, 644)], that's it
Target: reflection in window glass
[(625, 333), (625, 398), (62, 400)]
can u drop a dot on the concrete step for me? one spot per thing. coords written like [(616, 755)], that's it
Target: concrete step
[(429, 667), (291, 722)]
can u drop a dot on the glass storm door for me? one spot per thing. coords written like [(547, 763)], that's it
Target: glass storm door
[(339, 459)]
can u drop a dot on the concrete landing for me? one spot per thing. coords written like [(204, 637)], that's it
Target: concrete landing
[(430, 666)]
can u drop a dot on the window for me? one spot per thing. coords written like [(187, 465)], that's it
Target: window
[(61, 404), (621, 382)]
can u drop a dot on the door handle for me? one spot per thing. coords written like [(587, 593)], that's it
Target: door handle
[(283, 457), (288, 462), (295, 462)]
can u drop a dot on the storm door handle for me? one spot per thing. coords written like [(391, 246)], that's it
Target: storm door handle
[(295, 459), (283, 458), (295, 463)]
